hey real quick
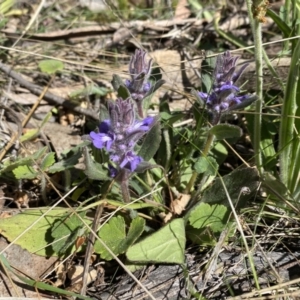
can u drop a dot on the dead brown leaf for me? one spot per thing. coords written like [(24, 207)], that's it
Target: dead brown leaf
[(29, 264), (177, 207), (182, 11)]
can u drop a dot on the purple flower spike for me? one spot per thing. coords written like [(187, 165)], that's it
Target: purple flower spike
[(119, 135), (139, 70), (223, 96)]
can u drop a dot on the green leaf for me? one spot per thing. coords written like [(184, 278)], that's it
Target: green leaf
[(203, 237), (114, 236), (119, 87), (123, 92), (93, 170), (207, 66), (275, 186), (196, 95), (69, 158), (144, 166), (241, 185), (155, 87), (38, 237), (33, 133), (5, 6), (30, 135), (50, 66), (25, 172), (219, 152), (48, 161), (285, 28), (225, 131), (90, 90), (213, 216), (207, 165), (28, 161), (151, 142), (167, 245), (117, 82), (64, 232)]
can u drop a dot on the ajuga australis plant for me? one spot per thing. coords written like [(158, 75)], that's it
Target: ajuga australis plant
[(224, 94), (119, 135), (223, 97)]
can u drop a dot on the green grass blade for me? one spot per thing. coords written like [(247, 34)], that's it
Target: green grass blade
[(286, 132), (285, 28), (294, 178)]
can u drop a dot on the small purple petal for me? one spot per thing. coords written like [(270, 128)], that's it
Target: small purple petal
[(146, 87), (101, 140), (143, 125), (230, 87), (130, 161), (113, 171), (127, 83), (224, 106), (104, 126), (114, 157), (203, 96)]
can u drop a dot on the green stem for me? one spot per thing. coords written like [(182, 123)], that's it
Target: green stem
[(287, 20), (209, 142), (256, 29), (287, 124), (123, 179)]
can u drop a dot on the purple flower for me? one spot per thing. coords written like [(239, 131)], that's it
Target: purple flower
[(223, 96), (129, 161), (104, 138), (143, 125), (120, 133)]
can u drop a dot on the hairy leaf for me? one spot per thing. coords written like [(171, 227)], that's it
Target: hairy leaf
[(225, 131), (38, 238), (65, 230), (114, 236), (48, 161), (167, 245), (213, 216), (93, 170), (207, 165), (151, 143)]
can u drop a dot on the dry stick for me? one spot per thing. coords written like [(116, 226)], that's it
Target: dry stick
[(49, 97), (15, 135), (89, 248), (36, 104), (162, 25)]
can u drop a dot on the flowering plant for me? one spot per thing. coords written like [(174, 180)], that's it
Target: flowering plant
[(224, 95), (120, 133)]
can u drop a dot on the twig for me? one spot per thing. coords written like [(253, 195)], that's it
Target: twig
[(90, 247), (15, 135), (161, 25), (36, 104), (49, 97)]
